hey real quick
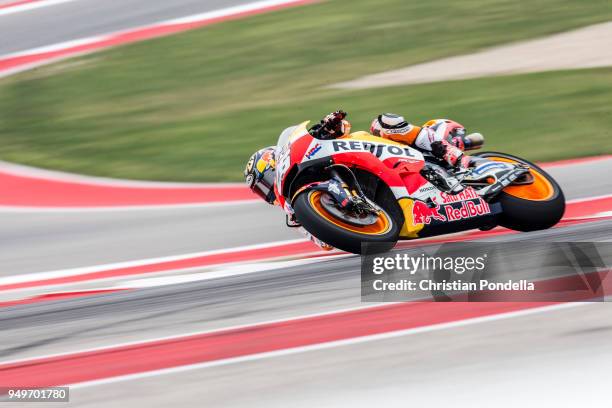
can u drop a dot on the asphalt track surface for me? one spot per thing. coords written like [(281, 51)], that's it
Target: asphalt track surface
[(36, 242), (87, 18), (536, 347), (401, 366), (560, 358)]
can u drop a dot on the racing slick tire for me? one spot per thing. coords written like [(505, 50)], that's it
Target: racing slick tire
[(334, 231), (531, 207)]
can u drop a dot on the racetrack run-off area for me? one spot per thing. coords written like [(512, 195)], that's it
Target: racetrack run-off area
[(171, 124), (556, 52), (37, 189), (28, 59)]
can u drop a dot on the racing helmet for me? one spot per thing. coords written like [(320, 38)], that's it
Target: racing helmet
[(259, 173), (394, 127)]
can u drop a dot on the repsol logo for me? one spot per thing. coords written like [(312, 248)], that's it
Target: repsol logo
[(374, 148)]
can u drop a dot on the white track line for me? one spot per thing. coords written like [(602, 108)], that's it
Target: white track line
[(225, 272), (199, 333), (193, 18), (329, 345), (170, 277), (122, 208), (31, 277), (61, 176), (62, 273), (229, 11), (49, 48), (31, 6), (584, 199)]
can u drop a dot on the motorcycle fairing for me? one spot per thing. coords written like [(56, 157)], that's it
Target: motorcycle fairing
[(425, 210)]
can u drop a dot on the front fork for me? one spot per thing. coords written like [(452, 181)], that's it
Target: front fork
[(344, 189)]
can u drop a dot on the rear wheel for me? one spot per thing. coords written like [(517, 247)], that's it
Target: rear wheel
[(344, 230), (529, 207)]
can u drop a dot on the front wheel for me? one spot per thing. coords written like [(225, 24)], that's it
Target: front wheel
[(343, 231), (529, 207)]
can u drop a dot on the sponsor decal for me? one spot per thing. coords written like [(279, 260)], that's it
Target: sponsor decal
[(266, 162), (268, 156), (426, 188), (468, 209), (249, 166), (310, 153), (489, 166), (468, 194), (284, 150), (398, 131), (262, 165), (375, 148), (424, 214), (431, 135), (452, 211)]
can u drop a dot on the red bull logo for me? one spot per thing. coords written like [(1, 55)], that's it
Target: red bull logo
[(468, 209), (423, 214)]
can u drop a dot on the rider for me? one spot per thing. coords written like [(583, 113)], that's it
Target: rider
[(259, 175), (444, 138)]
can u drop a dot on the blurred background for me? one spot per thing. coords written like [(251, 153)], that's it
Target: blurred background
[(194, 105)]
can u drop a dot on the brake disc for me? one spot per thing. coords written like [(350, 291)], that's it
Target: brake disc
[(357, 219)]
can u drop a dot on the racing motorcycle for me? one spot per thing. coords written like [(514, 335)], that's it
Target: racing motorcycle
[(361, 189)]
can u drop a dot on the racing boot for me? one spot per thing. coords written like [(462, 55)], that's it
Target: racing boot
[(442, 179)]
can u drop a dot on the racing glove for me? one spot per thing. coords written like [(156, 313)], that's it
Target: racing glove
[(450, 153), (331, 126)]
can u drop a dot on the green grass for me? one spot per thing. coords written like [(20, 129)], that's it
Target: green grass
[(195, 105)]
